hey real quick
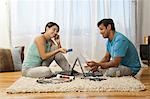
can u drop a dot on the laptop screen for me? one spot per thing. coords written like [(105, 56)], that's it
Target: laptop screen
[(82, 68)]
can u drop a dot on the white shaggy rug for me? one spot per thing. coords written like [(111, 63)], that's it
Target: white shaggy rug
[(29, 85)]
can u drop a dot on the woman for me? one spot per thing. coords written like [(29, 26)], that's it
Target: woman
[(42, 51)]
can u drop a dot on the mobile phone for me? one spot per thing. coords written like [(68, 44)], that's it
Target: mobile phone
[(56, 37), (69, 50)]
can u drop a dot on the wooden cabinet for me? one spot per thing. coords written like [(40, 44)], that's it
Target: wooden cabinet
[(145, 50)]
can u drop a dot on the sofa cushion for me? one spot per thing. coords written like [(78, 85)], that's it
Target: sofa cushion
[(6, 62), (17, 56), (11, 59)]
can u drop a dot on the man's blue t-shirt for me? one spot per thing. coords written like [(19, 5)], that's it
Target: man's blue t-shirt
[(120, 46)]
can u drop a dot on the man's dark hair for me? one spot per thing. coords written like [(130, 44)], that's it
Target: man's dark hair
[(106, 22)]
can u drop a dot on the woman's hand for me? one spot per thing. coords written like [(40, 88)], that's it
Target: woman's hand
[(93, 65), (62, 50), (57, 39)]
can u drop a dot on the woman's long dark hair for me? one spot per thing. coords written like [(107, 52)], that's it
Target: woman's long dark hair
[(49, 25)]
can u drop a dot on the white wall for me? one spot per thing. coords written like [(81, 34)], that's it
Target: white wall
[(4, 24)]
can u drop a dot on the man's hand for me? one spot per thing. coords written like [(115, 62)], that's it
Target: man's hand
[(93, 65)]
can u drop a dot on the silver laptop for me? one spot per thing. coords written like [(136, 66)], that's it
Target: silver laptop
[(85, 74), (81, 58)]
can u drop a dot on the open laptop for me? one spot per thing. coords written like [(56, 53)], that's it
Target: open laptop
[(95, 76), (89, 73), (84, 59), (72, 72)]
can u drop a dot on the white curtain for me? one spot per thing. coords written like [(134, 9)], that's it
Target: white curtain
[(4, 24), (77, 20)]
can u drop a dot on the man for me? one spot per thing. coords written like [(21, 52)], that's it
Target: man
[(121, 58)]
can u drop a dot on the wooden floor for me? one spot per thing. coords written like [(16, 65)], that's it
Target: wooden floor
[(6, 79)]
